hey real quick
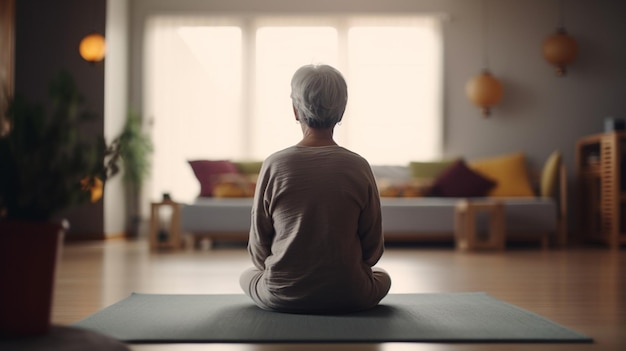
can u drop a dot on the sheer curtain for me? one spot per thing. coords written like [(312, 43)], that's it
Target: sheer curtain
[(218, 88)]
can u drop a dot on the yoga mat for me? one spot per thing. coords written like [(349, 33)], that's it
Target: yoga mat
[(447, 317)]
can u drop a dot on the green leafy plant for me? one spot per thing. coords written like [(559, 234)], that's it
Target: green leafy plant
[(134, 149), (48, 162)]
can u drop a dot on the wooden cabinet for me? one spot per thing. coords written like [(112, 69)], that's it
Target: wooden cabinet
[(165, 225), (601, 172)]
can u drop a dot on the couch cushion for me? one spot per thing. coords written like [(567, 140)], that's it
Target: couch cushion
[(409, 217), (233, 185), (432, 215), (429, 170), (208, 171), (510, 173), (217, 215), (391, 174), (550, 175), (408, 189), (458, 180), (393, 181), (249, 167)]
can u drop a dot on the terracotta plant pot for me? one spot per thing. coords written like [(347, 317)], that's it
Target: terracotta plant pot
[(28, 258)]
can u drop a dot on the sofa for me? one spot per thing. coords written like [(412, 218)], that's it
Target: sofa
[(418, 200)]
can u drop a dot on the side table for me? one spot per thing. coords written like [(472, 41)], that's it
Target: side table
[(165, 232), (467, 233)]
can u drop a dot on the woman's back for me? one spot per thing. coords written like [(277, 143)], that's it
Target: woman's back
[(321, 206)]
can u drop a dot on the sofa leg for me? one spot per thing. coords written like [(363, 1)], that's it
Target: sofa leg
[(206, 243), (198, 241)]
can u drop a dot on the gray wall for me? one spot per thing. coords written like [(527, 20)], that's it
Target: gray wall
[(539, 111), (47, 34)]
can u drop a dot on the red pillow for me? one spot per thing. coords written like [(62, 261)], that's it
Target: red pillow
[(459, 180), (208, 172)]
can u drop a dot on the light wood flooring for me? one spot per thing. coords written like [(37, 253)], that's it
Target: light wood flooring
[(583, 288)]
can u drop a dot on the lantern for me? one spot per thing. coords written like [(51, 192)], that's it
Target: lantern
[(92, 48), (560, 50), (484, 90)]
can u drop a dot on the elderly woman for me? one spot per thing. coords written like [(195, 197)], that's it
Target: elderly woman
[(316, 220)]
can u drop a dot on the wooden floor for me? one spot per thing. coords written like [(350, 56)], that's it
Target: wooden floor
[(583, 288)]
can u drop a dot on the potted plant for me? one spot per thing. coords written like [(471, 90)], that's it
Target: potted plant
[(135, 147), (47, 164)]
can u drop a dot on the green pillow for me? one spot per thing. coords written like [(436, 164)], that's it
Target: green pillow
[(429, 169), (248, 167), (550, 175)]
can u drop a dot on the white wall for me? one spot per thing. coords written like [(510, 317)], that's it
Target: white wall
[(115, 107)]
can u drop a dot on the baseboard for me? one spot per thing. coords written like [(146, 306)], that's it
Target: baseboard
[(77, 237)]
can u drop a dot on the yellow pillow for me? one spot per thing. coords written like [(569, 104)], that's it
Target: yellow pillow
[(409, 189), (550, 174), (510, 173), (233, 185)]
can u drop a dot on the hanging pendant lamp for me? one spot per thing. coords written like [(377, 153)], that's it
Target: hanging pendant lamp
[(93, 47), (560, 49), (485, 91)]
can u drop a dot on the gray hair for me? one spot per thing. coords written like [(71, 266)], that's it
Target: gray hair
[(319, 94)]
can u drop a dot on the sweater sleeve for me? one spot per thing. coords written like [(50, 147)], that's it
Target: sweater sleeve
[(261, 226), (370, 226)]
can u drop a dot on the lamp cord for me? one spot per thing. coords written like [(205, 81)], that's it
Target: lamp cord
[(560, 24), (485, 35)]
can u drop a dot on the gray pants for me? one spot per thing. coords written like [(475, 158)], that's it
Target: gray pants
[(250, 278)]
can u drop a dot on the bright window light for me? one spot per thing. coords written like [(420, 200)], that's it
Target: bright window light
[(280, 51), (393, 95), (218, 88)]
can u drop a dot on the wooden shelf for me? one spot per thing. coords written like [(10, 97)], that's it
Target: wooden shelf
[(599, 159), (592, 172)]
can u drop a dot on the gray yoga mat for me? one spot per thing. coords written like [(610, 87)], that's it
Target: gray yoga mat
[(447, 317)]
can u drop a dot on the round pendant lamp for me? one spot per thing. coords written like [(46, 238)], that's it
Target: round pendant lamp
[(485, 91), (560, 50), (92, 48)]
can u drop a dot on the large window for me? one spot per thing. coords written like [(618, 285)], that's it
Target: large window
[(218, 88)]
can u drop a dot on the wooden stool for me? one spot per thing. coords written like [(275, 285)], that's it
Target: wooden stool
[(168, 236), (468, 236)]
